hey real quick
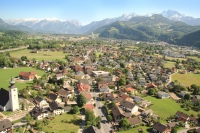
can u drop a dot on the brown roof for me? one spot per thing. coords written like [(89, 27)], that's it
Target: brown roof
[(89, 106), (134, 121), (63, 92), (160, 127), (5, 124), (116, 111)]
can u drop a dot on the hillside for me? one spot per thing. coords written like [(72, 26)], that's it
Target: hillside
[(192, 39), (154, 28)]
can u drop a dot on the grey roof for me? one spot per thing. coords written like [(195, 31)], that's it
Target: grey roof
[(4, 97), (54, 106), (84, 81), (127, 104), (5, 124), (38, 99)]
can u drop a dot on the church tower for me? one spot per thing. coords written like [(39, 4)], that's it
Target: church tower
[(13, 96)]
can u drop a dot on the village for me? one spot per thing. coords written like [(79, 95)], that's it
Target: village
[(123, 86)]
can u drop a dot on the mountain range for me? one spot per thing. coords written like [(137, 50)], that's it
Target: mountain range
[(75, 26)]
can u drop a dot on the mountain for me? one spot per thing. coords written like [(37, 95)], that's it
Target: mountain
[(6, 27), (49, 25), (176, 16), (191, 39), (97, 24), (143, 28)]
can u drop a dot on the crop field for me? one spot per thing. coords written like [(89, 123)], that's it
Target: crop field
[(6, 75), (41, 55), (166, 107), (187, 79)]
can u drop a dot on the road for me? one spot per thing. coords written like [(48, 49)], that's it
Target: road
[(185, 130), (12, 49), (105, 126)]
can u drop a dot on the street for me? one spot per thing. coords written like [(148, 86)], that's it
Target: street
[(105, 126)]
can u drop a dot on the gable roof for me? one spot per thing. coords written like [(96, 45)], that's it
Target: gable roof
[(159, 127), (54, 106), (89, 106), (4, 97), (134, 121), (51, 96), (116, 111), (38, 99), (84, 81), (92, 129), (63, 92), (5, 124), (127, 104)]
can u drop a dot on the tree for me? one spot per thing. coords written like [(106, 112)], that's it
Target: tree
[(75, 109), (151, 91), (122, 65), (196, 91), (124, 123), (187, 96), (109, 118), (90, 118), (81, 100), (122, 81)]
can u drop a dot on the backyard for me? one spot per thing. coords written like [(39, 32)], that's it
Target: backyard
[(169, 64), (145, 129), (187, 79), (6, 75), (166, 107), (41, 55), (64, 123)]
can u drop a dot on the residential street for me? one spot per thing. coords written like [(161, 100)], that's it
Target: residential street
[(105, 126)]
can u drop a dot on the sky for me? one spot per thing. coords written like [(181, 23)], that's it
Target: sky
[(87, 11)]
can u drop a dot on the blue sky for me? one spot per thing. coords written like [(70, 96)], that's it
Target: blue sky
[(87, 11)]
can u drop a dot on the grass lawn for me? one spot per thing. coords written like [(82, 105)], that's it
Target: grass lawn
[(7, 73), (41, 55), (145, 129), (171, 58), (193, 57), (56, 125), (187, 79), (166, 107), (169, 64)]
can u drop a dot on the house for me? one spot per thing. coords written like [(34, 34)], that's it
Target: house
[(134, 121), (129, 106), (85, 81), (183, 93), (87, 95), (151, 85), (123, 96), (88, 106), (5, 126), (162, 94), (39, 113), (190, 69), (56, 108), (83, 87), (103, 87), (182, 117), (79, 75), (131, 90), (27, 75), (160, 128), (39, 101), (145, 113), (51, 97), (193, 120), (64, 94), (92, 129), (117, 113), (60, 76), (108, 96)]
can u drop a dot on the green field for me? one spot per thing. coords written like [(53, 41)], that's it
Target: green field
[(171, 58), (187, 79), (14, 72), (135, 130), (169, 64), (166, 107), (57, 126), (195, 58), (41, 55)]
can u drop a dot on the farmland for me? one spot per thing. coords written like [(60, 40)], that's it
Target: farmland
[(187, 79), (41, 55)]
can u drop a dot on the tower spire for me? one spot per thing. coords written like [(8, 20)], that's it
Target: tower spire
[(12, 82)]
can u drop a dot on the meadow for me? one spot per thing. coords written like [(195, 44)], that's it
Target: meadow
[(62, 124), (187, 79), (41, 55), (6, 75), (169, 64), (166, 107)]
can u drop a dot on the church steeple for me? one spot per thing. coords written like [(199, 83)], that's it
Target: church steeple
[(12, 82)]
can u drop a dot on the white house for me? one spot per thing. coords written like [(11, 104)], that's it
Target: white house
[(39, 101), (129, 106), (56, 108)]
